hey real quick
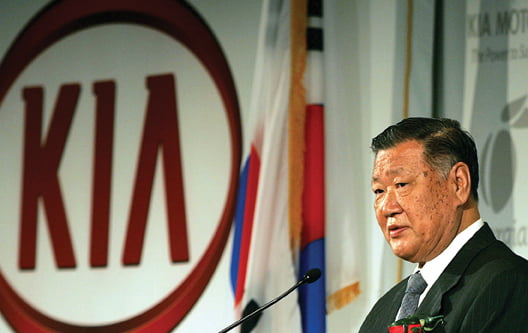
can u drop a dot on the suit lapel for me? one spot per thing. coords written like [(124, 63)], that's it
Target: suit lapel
[(432, 303), (395, 304)]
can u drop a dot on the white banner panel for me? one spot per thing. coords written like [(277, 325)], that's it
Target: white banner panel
[(496, 113)]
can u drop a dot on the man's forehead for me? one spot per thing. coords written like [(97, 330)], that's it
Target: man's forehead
[(391, 172), (405, 150), (404, 158)]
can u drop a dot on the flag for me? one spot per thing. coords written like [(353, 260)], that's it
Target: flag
[(324, 176), (263, 263), (310, 146), (280, 225), (326, 85)]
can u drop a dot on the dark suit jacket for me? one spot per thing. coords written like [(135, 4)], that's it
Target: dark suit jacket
[(483, 289)]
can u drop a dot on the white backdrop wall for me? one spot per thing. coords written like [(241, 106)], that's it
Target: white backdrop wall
[(367, 83)]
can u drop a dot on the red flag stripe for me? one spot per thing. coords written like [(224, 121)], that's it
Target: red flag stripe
[(314, 186)]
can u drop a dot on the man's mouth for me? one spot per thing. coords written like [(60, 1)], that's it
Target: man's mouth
[(396, 230)]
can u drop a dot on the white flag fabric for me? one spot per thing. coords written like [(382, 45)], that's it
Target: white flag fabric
[(272, 250), (269, 265)]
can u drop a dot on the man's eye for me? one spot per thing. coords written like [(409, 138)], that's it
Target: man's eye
[(378, 191), (401, 184)]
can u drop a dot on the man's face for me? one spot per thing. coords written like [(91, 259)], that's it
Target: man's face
[(415, 206)]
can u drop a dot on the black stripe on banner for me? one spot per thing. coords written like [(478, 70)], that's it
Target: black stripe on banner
[(314, 39), (315, 8)]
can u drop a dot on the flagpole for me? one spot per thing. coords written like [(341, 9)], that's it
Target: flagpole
[(408, 59)]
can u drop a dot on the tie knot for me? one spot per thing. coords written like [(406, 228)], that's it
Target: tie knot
[(416, 284)]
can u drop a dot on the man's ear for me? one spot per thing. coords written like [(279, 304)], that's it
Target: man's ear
[(462, 180)]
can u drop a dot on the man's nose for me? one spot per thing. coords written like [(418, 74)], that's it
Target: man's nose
[(391, 204)]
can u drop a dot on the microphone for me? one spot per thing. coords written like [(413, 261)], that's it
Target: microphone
[(312, 275), (309, 277)]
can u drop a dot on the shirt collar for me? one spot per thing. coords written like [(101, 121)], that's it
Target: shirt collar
[(432, 269)]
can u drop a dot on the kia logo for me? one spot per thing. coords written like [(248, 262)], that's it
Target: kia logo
[(102, 168)]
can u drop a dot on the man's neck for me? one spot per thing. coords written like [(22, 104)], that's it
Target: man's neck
[(470, 213)]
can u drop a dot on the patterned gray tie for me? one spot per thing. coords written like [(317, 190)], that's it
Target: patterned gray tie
[(415, 287)]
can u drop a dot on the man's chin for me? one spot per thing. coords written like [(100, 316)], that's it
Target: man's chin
[(403, 254)]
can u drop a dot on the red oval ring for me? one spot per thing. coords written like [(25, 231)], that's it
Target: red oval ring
[(179, 21)]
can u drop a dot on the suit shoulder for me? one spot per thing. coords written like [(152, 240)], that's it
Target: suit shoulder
[(498, 259)]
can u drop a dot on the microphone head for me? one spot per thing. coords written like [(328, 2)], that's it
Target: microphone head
[(312, 275)]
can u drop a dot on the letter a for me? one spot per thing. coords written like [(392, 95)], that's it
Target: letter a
[(160, 132)]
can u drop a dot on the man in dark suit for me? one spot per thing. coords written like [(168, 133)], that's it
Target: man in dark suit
[(425, 180)]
